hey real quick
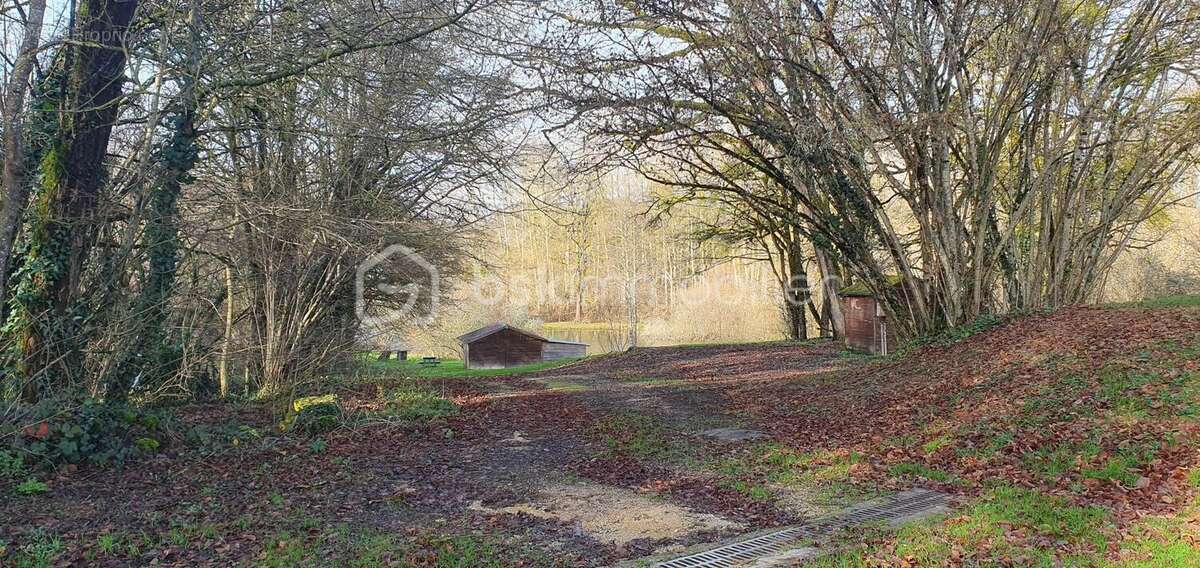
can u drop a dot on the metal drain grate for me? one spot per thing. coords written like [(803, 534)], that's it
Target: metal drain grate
[(896, 507), (739, 552)]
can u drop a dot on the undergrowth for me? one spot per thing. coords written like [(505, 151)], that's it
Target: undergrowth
[(953, 335), (415, 403), (91, 432)]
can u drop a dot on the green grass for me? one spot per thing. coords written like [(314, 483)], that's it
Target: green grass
[(1120, 469), (107, 543), (344, 546), (1161, 541), (931, 447), (453, 368), (989, 533), (1091, 412), (909, 469), (1120, 389), (752, 490), (1051, 462), (635, 435), (1054, 402), (822, 473), (1166, 302), (1118, 399), (1012, 526), (32, 487), (294, 538), (785, 465), (40, 550), (999, 442), (852, 356)]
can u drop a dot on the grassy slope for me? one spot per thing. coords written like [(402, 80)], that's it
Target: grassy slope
[(1073, 438), (1183, 301)]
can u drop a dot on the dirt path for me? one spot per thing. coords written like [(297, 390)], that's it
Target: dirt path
[(671, 498), (537, 465)]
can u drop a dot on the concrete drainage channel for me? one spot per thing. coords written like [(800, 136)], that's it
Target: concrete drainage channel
[(782, 547)]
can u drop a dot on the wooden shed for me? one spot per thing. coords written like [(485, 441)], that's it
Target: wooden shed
[(500, 345), (867, 327)]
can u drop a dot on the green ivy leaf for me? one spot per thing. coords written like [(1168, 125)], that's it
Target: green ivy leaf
[(68, 448)]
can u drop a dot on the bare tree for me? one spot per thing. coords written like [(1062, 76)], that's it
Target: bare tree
[(257, 142), (990, 155), (15, 188)]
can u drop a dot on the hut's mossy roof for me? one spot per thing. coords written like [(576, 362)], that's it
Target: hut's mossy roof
[(861, 290)]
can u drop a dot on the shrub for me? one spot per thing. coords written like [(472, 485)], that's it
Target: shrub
[(313, 415), (953, 335), (32, 487), (417, 404), (93, 432), (216, 436), (11, 465)]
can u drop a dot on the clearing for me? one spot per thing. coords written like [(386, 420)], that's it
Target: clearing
[(1064, 438)]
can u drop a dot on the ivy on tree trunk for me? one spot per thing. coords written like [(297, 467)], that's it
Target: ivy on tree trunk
[(70, 176), (152, 354)]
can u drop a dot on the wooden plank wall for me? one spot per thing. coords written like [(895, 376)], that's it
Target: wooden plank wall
[(864, 328), (505, 348), (555, 351)]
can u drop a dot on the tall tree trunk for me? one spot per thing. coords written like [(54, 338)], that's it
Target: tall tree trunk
[(72, 174), (97, 79), (631, 306), (227, 335), (579, 289), (830, 287), (796, 290), (16, 190)]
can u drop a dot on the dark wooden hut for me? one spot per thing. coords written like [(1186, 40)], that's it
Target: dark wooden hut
[(867, 326), (500, 345)]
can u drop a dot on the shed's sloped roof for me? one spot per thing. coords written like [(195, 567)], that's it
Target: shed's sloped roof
[(566, 342), (861, 290), (494, 328)]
